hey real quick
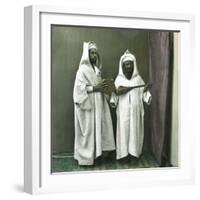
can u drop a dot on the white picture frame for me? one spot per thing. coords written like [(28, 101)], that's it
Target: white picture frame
[(37, 170)]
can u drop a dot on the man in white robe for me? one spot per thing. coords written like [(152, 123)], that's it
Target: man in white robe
[(131, 92), (93, 124)]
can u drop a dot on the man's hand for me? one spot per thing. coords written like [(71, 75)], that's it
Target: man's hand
[(109, 86), (147, 86), (123, 90), (100, 87)]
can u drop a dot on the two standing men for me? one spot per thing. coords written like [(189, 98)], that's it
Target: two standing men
[(93, 123)]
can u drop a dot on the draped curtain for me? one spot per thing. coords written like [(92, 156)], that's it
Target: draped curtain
[(160, 75)]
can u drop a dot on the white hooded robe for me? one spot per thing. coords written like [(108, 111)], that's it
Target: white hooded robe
[(130, 112), (93, 124)]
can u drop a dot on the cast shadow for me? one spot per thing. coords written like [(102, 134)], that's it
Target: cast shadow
[(18, 188)]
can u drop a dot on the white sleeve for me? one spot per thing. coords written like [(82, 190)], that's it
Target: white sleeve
[(147, 97), (89, 89), (114, 100)]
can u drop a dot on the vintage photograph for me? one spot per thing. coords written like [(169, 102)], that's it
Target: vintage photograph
[(114, 98)]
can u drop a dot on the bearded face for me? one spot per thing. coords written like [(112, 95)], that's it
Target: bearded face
[(128, 69)]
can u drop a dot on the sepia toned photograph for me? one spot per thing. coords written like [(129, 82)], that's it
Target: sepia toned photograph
[(114, 98)]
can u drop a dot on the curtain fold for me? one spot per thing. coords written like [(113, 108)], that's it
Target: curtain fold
[(160, 75)]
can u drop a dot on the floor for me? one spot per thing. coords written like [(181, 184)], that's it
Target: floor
[(106, 162)]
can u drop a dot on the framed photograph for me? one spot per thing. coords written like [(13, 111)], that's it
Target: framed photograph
[(107, 97)]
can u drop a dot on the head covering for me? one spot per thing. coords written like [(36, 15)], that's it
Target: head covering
[(121, 79), (92, 45), (127, 56), (85, 55)]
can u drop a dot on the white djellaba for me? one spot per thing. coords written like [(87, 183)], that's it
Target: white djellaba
[(130, 111), (93, 124)]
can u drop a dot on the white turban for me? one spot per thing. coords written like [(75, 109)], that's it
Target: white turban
[(127, 56), (92, 45)]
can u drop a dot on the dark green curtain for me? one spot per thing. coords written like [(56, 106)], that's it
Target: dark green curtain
[(161, 74)]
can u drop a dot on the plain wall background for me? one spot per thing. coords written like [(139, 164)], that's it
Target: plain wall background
[(11, 101), (67, 47)]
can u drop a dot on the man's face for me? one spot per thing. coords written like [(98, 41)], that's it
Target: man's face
[(93, 56), (128, 69)]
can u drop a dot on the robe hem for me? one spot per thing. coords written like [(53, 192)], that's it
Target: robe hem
[(84, 162), (122, 156)]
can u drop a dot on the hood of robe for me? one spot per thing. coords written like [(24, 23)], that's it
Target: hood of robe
[(85, 60), (121, 79)]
